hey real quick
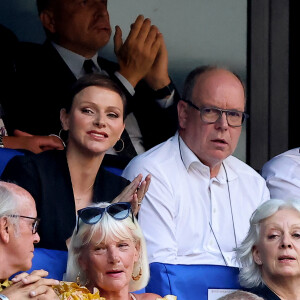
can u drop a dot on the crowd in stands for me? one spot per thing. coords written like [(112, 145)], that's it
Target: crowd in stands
[(126, 177)]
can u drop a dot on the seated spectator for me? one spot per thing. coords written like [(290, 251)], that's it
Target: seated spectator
[(76, 31), (282, 174), (197, 208), (107, 256), (18, 234), (63, 182), (19, 139), (241, 295), (270, 253)]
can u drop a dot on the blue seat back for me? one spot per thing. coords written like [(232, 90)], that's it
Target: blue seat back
[(6, 155), (190, 281), (53, 261)]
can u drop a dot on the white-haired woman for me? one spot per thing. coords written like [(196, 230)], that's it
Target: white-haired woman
[(107, 256), (270, 253)]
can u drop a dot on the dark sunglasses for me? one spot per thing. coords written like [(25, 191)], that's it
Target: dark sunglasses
[(92, 215)]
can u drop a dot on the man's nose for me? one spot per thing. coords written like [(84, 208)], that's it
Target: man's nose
[(222, 121), (36, 238)]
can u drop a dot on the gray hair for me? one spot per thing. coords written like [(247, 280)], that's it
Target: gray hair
[(10, 195), (250, 274), (240, 295), (109, 227)]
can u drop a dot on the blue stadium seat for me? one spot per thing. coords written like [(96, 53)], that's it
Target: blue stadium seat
[(190, 281), (6, 155)]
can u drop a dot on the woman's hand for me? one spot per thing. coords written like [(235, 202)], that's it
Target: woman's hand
[(135, 192)]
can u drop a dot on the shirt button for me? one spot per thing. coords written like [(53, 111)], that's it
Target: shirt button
[(214, 210)]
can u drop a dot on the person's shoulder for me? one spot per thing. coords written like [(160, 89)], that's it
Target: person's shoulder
[(158, 154)]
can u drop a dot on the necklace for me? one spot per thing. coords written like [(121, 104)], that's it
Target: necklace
[(232, 218), (79, 199)]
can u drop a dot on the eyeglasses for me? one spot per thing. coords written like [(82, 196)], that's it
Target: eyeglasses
[(211, 115), (92, 215), (35, 223)]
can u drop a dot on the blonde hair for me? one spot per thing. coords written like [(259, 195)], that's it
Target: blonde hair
[(108, 227)]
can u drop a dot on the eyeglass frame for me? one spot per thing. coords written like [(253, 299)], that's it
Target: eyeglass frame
[(221, 111), (102, 211), (35, 224)]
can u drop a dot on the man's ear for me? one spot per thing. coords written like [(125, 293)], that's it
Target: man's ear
[(47, 19), (4, 232), (64, 119), (182, 108), (256, 255)]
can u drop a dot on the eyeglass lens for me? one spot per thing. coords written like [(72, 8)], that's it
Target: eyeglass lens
[(211, 115)]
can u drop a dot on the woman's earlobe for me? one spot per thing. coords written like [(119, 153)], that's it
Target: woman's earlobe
[(256, 256), (64, 120)]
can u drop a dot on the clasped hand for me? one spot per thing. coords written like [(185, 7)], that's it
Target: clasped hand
[(143, 54)]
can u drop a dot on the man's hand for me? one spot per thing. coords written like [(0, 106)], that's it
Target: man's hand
[(34, 143), (31, 286), (135, 192), (136, 56), (158, 76)]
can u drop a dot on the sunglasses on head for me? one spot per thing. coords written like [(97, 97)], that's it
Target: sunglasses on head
[(92, 215)]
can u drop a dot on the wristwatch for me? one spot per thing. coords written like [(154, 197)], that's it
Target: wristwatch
[(165, 91), (1, 146), (3, 297)]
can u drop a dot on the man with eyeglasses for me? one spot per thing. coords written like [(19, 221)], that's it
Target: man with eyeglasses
[(18, 234), (200, 200)]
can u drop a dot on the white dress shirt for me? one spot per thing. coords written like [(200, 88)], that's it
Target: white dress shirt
[(182, 200), (282, 174)]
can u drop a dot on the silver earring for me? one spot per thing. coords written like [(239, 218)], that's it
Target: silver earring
[(122, 147)]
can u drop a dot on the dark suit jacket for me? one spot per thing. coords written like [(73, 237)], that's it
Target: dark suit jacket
[(264, 292), (46, 176), (41, 85)]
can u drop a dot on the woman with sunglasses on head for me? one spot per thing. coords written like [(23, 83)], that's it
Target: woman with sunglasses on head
[(62, 182), (107, 256)]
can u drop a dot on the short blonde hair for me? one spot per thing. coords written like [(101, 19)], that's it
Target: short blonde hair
[(109, 227)]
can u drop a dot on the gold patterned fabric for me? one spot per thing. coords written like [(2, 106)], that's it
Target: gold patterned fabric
[(71, 291), (4, 284)]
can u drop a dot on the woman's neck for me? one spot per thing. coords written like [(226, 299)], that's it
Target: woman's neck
[(285, 288), (123, 294), (83, 171)]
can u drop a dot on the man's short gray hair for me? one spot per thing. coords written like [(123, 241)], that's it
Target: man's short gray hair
[(109, 227), (250, 273), (241, 295), (9, 198)]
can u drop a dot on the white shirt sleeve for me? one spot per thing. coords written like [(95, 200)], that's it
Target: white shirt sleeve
[(157, 216), (282, 175)]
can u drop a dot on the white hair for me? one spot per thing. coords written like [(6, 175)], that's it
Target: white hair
[(240, 295), (10, 194), (108, 227), (250, 273)]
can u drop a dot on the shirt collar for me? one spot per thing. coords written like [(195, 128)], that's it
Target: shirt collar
[(189, 159), (75, 61)]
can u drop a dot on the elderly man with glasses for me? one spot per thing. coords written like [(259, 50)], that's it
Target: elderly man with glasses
[(18, 234), (198, 205)]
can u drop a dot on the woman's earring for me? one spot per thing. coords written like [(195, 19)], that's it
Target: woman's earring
[(137, 277), (78, 279), (120, 143)]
